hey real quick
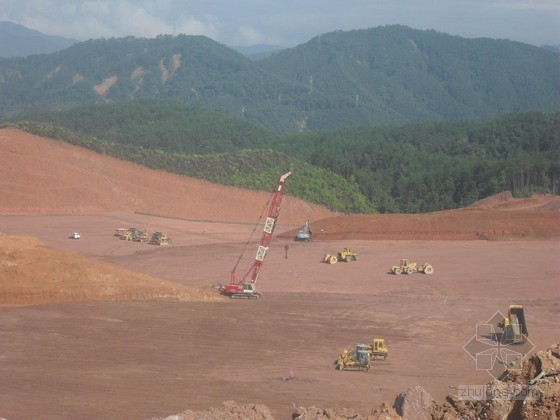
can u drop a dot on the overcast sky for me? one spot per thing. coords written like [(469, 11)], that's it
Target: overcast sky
[(284, 22)]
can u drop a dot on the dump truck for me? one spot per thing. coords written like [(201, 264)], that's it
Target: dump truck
[(408, 267), (377, 349), (513, 326), (347, 255), (354, 359)]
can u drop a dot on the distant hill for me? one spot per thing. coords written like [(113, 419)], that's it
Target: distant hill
[(395, 74), (259, 51), (380, 76), (19, 41), (555, 48)]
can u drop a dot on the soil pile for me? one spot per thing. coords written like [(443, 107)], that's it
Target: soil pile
[(229, 410), (32, 274)]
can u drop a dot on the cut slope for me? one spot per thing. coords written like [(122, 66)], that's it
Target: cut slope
[(534, 218), (47, 176)]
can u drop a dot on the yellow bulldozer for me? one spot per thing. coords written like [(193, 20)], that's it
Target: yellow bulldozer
[(160, 238), (354, 359), (133, 234), (408, 267), (347, 255), (377, 349)]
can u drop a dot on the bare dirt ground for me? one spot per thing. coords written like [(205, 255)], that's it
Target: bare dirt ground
[(104, 328)]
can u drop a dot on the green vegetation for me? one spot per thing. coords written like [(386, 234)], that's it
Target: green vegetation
[(412, 168), (436, 166), (168, 126), (389, 75)]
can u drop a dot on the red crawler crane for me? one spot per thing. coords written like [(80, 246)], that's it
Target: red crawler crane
[(244, 286)]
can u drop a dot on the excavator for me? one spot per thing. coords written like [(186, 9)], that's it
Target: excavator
[(305, 234), (244, 287)]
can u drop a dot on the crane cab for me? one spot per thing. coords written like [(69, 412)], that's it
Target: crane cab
[(241, 291)]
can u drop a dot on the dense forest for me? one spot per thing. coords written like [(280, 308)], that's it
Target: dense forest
[(411, 168), (390, 75), (434, 166)]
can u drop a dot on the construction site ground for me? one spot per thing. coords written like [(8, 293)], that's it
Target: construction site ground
[(104, 328)]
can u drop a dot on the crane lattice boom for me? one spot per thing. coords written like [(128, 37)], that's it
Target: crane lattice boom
[(269, 225)]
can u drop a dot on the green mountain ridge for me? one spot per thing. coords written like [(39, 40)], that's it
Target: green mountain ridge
[(379, 76)]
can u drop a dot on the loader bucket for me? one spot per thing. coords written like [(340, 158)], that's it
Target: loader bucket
[(330, 259)]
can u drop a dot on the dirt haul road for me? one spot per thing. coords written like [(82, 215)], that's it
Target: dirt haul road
[(104, 328)]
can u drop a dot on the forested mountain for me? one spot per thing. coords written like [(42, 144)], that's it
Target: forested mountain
[(393, 75), (19, 41), (412, 168), (386, 75), (161, 125)]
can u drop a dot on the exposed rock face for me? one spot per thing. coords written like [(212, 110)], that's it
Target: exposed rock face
[(537, 382), (414, 403)]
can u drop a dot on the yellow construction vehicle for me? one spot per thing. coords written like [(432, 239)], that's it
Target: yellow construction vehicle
[(357, 359), (514, 326), (408, 267), (377, 349), (128, 235), (133, 234), (142, 236), (160, 238), (347, 255)]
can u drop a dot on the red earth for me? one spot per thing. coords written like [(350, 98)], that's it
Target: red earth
[(99, 327)]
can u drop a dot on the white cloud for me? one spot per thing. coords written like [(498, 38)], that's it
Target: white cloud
[(284, 22), (540, 5)]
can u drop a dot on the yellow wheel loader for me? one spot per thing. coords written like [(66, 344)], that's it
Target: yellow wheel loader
[(347, 255), (408, 267)]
